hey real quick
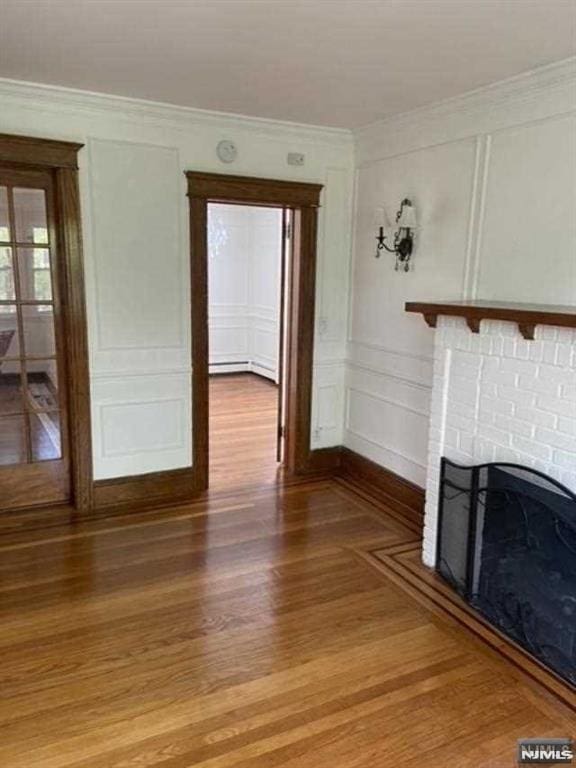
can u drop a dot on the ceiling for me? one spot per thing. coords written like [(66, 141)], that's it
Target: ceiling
[(329, 62)]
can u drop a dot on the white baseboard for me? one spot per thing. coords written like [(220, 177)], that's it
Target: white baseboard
[(247, 367), (267, 373), (229, 368)]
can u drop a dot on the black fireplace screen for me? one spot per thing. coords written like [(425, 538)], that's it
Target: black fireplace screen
[(507, 544)]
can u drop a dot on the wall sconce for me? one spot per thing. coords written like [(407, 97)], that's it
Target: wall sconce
[(403, 236)]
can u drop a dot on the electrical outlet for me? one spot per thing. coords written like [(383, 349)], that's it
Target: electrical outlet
[(322, 326), (295, 158), (316, 434)]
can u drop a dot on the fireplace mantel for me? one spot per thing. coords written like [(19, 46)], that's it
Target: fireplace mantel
[(527, 316)]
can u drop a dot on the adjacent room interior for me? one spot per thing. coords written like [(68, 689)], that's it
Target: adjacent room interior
[(245, 303), (30, 406), (287, 383)]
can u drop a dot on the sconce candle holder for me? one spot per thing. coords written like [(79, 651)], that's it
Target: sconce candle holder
[(403, 237)]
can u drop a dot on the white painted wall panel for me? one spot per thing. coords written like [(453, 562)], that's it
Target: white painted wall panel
[(528, 237), (327, 404), (493, 178), (369, 416), (142, 422), (135, 195), (136, 244)]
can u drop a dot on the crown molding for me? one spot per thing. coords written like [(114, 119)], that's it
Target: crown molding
[(544, 91), (58, 98)]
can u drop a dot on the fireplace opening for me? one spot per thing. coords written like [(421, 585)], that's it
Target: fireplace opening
[(507, 544)]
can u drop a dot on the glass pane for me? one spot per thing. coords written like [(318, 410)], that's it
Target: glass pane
[(38, 324), (11, 399), (45, 436), (42, 385), (34, 273), (9, 340), (13, 440), (30, 214), (7, 292), (4, 221)]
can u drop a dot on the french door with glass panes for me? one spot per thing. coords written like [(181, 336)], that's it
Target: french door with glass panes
[(34, 451)]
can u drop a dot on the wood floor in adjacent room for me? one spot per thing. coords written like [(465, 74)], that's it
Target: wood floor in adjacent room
[(243, 426), (245, 630)]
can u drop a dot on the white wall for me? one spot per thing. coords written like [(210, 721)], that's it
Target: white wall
[(137, 255), (493, 178), (244, 288)]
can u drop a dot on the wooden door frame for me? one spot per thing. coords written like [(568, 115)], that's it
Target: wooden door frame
[(205, 188), (60, 158)]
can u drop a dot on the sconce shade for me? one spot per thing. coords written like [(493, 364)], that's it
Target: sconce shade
[(380, 218), (407, 218)]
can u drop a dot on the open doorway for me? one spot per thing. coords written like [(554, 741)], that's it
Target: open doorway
[(297, 203), (248, 267)]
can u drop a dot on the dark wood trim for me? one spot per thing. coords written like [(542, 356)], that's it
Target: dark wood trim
[(280, 427), (383, 484), (324, 460), (59, 159), (44, 153), (303, 199), (199, 320), (527, 316), (249, 190), (144, 491), (76, 331), (300, 356)]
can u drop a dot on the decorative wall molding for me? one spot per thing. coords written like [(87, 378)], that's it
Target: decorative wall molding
[(535, 93), (119, 375), (99, 229), (388, 401), (330, 363), (385, 448), (154, 113), (476, 217), (396, 352), (327, 416), (475, 144), (122, 407), (386, 374), (380, 444)]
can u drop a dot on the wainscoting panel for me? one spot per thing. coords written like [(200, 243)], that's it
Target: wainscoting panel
[(141, 424), (327, 404), (384, 431), (400, 364), (492, 178), (264, 341)]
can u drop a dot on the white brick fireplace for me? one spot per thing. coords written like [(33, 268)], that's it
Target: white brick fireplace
[(499, 397)]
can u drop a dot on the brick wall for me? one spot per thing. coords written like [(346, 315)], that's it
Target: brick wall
[(498, 397)]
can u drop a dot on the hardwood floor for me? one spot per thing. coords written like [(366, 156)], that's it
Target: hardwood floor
[(243, 411), (42, 423), (246, 630)]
